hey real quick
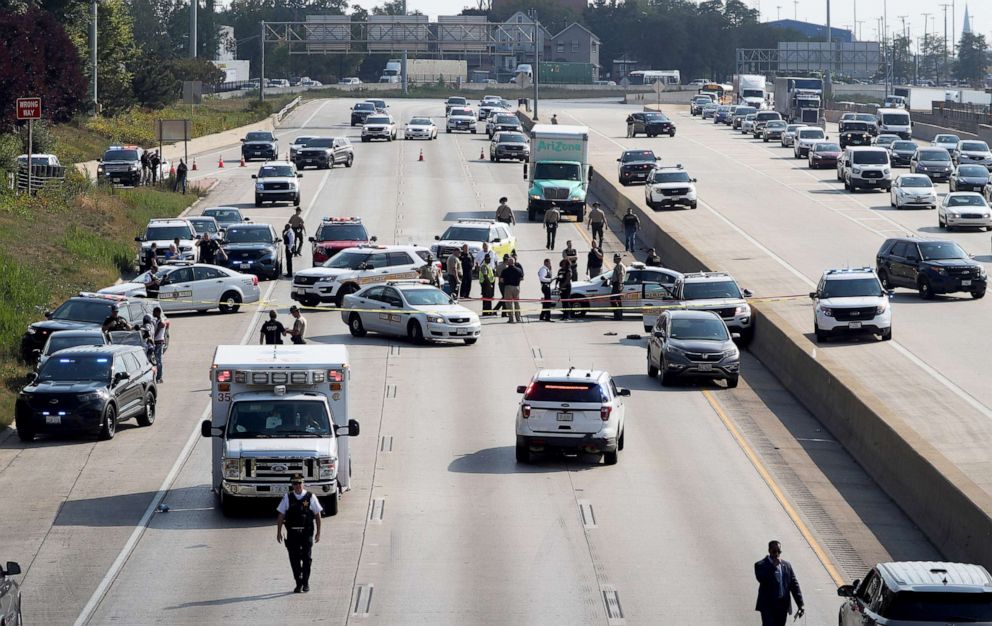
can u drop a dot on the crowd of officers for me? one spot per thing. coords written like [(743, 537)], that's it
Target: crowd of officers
[(462, 268)]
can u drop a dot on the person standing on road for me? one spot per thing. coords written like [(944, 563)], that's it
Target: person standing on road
[(453, 265), (564, 280), (427, 271), (299, 230), (272, 330), (631, 224), (468, 267), (208, 249), (545, 276), (594, 262), (485, 253), (150, 259), (300, 512), (504, 213), (502, 288), (511, 278), (181, 172), (554, 119), (652, 260), (597, 223), (777, 585), (571, 255), (154, 161), (551, 218), (297, 334), (144, 167), (161, 330), (487, 282), (616, 286), (288, 240)]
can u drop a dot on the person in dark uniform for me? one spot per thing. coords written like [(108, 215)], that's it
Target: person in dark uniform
[(594, 262), (208, 249), (564, 281), (288, 240), (551, 219), (272, 330), (114, 321), (777, 585), (468, 265), (181, 173), (300, 512), (652, 260)]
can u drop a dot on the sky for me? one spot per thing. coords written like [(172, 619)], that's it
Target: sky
[(842, 13)]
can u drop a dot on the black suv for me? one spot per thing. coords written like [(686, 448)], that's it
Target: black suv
[(636, 165), (325, 152), (260, 145), (87, 310), (929, 266), (253, 249), (854, 133), (650, 124), (87, 389), (360, 111)]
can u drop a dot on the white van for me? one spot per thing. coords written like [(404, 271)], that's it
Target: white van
[(865, 167), (523, 69), (894, 122)]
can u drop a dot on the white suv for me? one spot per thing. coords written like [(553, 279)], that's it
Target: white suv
[(865, 166), (351, 269), (851, 301), (670, 186), (581, 410), (163, 233), (804, 139), (379, 126)]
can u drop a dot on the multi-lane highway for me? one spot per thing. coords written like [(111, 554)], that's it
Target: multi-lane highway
[(442, 526)]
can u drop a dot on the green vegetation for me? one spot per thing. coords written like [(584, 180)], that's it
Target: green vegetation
[(61, 242)]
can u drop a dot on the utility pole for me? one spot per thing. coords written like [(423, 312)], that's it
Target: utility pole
[(193, 7), (888, 54), (93, 60), (778, 12), (537, 57), (945, 6), (795, 10), (261, 71), (855, 20), (857, 27)]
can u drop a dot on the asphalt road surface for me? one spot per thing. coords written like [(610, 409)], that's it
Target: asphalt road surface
[(442, 526)]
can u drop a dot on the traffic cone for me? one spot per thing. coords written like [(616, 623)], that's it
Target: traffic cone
[(194, 164), (220, 162), (421, 155), (242, 162), (482, 154)]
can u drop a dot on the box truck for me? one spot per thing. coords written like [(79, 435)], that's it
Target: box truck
[(558, 170), (749, 89)]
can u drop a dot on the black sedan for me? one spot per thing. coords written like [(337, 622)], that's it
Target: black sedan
[(253, 249), (635, 165), (969, 178)]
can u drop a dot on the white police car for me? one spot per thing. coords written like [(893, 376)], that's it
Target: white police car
[(193, 287), (641, 281), (353, 268), (409, 308), (851, 301), (670, 186)]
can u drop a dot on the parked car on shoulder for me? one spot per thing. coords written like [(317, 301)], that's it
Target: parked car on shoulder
[(930, 266)]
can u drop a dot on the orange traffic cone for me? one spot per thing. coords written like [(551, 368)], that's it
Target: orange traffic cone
[(194, 164), (421, 155), (220, 162), (242, 162), (482, 154)]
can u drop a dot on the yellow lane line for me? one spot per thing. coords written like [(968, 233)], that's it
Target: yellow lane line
[(804, 530)]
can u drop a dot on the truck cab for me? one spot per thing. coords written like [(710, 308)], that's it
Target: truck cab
[(277, 411), (558, 171)]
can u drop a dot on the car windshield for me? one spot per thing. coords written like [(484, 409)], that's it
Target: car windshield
[(57, 343), (272, 171), (76, 368), (258, 137), (919, 607), (791, 128), (120, 155), (947, 139), (348, 260), (365, 106), (461, 112), (637, 155), (851, 288), (552, 391), (426, 297), (871, 157), (974, 146), (457, 100), (420, 121), (811, 134), (507, 119), (557, 171), (855, 126), (696, 329), (341, 232), (941, 250), (750, 117), (655, 117), (204, 226), (968, 200), (82, 311), (377, 119), (464, 233), (224, 216), (895, 119), (701, 100), (320, 142), (826, 147), (167, 233), (904, 146), (511, 138), (744, 110), (866, 117), (301, 141), (973, 171), (254, 419), (916, 181), (884, 140), (709, 289), (246, 234), (670, 177), (933, 155), (768, 115), (775, 124)]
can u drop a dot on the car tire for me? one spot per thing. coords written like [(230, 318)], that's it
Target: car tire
[(147, 415), (310, 301), (330, 504), (610, 458), (580, 309), (470, 341), (230, 302), (621, 181), (344, 291), (671, 134), (925, 289), (886, 334), (25, 430), (693, 205), (531, 215), (821, 335), (258, 202), (667, 378), (765, 139), (447, 130), (355, 326), (941, 222), (620, 439), (522, 453), (474, 132), (652, 370), (732, 382), (883, 277), (414, 332), (108, 424), (978, 295), (350, 161), (230, 505), (296, 200)]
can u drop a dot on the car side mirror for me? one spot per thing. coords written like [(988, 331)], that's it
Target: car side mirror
[(48, 315), (207, 429), (437, 237), (624, 392), (525, 170), (121, 376), (242, 140), (373, 238), (618, 160), (747, 293), (11, 569), (812, 295), (312, 239), (100, 160), (299, 175), (826, 136), (695, 180), (139, 238), (521, 388), (846, 591), (255, 176), (32, 376), (351, 430), (497, 240), (660, 334)]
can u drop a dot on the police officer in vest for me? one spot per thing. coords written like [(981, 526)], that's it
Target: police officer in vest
[(300, 512)]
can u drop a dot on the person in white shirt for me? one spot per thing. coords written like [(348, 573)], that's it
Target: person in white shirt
[(480, 256), (300, 512), (545, 275)]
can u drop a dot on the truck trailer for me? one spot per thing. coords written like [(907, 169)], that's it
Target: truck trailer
[(749, 89), (558, 170)]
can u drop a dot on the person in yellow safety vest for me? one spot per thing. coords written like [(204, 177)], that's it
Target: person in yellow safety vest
[(487, 281)]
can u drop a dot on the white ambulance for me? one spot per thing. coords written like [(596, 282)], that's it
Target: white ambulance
[(279, 410)]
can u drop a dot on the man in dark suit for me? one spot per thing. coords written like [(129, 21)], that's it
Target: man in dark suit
[(777, 585)]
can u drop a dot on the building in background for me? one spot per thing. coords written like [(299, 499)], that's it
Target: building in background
[(226, 60), (817, 32), (576, 44)]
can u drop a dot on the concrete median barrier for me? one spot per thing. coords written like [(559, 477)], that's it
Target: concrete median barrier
[(948, 506)]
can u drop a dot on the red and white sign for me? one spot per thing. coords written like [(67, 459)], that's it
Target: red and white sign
[(29, 108)]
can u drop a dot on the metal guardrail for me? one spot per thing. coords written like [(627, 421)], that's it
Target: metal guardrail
[(41, 176), (286, 109)]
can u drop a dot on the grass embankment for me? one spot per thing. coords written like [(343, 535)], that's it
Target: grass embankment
[(87, 138), (59, 243)]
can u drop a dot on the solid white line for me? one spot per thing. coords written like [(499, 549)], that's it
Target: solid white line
[(87, 613)]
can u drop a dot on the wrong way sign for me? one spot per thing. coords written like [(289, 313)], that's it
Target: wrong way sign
[(29, 108)]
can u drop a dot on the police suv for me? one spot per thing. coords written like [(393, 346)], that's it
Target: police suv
[(353, 268), (670, 186), (163, 232), (851, 301), (473, 232), (711, 291)]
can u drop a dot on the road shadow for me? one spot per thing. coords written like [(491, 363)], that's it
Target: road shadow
[(502, 460), (225, 601), (55, 440), (641, 382)]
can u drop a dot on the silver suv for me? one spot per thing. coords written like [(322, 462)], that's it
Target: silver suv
[(918, 592), (717, 292), (692, 344)]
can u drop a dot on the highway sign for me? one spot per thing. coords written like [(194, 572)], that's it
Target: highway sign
[(29, 108)]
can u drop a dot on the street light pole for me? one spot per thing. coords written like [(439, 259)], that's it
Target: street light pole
[(261, 71), (192, 27), (93, 61), (537, 57)]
